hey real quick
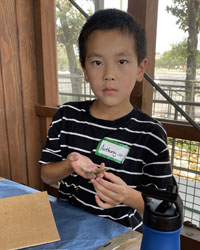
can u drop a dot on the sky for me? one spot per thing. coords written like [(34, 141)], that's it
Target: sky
[(116, 3)]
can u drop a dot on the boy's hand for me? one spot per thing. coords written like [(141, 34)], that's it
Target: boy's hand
[(110, 193), (79, 163)]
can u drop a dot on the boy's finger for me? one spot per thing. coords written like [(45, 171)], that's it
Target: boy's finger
[(101, 170), (113, 178), (101, 203)]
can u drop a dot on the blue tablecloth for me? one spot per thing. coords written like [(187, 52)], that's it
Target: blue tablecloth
[(78, 229)]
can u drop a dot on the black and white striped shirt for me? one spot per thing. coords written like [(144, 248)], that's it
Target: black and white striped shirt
[(73, 129)]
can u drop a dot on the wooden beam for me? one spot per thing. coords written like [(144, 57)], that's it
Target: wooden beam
[(11, 85), (145, 12), (46, 51), (190, 237), (24, 13), (4, 148), (45, 111), (44, 12), (185, 132)]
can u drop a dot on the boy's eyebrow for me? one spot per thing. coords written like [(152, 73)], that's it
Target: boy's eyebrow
[(123, 53), (94, 55)]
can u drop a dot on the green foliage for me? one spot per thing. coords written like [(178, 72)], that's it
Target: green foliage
[(176, 57), (68, 23), (189, 146), (184, 53), (188, 19), (185, 145), (180, 9), (198, 59), (62, 58)]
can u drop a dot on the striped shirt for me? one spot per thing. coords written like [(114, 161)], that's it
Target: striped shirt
[(73, 129)]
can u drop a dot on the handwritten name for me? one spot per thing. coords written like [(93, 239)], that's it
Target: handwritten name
[(107, 149)]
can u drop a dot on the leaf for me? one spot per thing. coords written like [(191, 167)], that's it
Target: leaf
[(93, 172)]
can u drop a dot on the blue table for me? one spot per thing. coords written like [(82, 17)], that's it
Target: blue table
[(78, 229)]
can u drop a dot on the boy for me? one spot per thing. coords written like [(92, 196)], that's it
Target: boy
[(108, 133)]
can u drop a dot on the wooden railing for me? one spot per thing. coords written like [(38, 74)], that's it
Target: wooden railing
[(45, 111), (174, 130)]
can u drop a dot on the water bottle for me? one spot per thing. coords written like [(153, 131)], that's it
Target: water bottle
[(163, 219)]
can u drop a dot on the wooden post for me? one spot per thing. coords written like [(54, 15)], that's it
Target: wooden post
[(145, 12), (19, 127), (44, 12)]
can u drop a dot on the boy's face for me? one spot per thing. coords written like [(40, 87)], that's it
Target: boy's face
[(111, 67)]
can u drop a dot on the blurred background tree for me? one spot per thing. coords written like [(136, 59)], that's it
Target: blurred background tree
[(69, 22), (175, 58), (188, 19)]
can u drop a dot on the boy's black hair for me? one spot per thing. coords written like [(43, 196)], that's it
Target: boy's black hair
[(115, 19)]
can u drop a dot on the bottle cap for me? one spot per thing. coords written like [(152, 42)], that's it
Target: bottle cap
[(162, 216), (163, 209)]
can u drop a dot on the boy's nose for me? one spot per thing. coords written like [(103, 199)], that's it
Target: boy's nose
[(109, 78), (109, 74)]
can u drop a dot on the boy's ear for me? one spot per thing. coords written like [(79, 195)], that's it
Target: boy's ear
[(85, 73), (141, 70)]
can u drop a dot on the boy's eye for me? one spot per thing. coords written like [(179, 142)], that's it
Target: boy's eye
[(97, 63), (122, 61)]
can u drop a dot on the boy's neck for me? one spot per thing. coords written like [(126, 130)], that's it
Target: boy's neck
[(100, 111)]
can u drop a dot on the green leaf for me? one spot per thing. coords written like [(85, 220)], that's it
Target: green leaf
[(93, 172)]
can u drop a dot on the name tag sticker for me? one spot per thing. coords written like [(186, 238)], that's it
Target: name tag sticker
[(112, 150)]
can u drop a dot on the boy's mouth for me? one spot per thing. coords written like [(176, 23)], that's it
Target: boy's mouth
[(109, 90)]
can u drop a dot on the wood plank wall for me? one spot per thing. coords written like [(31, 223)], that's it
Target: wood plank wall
[(44, 12), (19, 126)]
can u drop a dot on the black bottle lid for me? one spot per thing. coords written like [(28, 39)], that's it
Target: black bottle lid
[(163, 209), (162, 216)]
